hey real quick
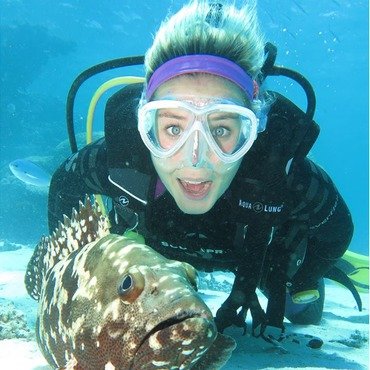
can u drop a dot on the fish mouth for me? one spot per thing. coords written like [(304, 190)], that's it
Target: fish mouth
[(178, 319), (186, 331)]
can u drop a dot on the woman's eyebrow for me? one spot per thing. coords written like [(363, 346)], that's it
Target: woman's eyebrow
[(171, 113)]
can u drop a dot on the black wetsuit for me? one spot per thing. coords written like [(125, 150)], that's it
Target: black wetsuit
[(276, 213)]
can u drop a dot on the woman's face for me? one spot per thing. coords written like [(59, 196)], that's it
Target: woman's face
[(195, 176)]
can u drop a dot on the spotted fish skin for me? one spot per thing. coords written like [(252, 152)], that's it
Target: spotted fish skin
[(108, 302)]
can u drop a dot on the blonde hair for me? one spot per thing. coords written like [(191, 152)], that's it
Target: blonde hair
[(210, 27)]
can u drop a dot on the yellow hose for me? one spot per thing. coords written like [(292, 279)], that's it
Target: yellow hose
[(126, 80)]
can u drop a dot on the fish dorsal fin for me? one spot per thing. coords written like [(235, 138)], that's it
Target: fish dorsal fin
[(85, 226)]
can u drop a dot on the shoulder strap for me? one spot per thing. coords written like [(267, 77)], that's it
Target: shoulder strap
[(129, 164), (305, 128), (290, 128), (125, 148)]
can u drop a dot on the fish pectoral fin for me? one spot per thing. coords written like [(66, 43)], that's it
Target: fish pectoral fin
[(218, 354)]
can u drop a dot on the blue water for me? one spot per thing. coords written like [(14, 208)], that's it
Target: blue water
[(46, 44)]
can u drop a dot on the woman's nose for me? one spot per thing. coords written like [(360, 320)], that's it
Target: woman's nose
[(195, 151)]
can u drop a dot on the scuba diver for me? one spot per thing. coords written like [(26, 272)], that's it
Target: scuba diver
[(212, 169)]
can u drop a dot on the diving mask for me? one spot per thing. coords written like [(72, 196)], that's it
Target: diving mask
[(166, 125)]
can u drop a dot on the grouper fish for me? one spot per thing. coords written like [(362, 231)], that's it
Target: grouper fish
[(108, 302)]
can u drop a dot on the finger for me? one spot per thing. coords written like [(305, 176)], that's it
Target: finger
[(275, 343)]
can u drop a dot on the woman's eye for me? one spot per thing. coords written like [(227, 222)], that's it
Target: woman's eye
[(174, 130), (220, 132)]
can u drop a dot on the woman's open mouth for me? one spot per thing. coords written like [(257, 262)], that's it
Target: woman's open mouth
[(194, 189)]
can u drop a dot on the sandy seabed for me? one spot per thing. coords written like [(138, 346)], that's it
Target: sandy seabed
[(344, 330)]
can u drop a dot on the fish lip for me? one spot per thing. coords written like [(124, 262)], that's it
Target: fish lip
[(170, 321)]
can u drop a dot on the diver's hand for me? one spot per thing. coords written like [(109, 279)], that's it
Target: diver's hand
[(273, 335), (227, 316), (269, 333)]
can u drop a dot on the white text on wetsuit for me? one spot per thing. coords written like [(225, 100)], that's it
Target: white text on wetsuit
[(260, 207)]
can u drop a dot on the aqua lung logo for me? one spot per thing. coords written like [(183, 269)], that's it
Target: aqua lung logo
[(123, 201), (259, 207)]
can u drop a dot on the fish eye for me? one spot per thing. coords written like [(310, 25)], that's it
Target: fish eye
[(126, 284), (131, 286)]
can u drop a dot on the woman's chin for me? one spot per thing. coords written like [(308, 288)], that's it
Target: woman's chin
[(194, 209)]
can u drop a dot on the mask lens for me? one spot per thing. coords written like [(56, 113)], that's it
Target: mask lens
[(164, 127), (229, 130), (170, 124)]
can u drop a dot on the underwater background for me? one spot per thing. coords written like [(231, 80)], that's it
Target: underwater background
[(46, 44)]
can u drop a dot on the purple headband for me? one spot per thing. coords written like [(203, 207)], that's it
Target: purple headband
[(201, 63)]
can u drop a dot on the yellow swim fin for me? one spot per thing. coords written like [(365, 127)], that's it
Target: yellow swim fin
[(356, 266)]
